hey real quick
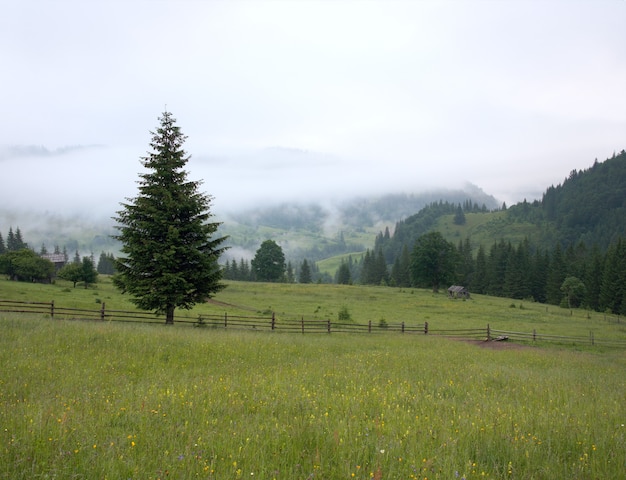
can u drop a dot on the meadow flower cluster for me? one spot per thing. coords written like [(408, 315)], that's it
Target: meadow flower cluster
[(118, 401)]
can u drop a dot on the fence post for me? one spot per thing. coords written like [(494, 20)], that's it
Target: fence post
[(591, 337), (273, 320), (225, 319), (534, 334), (369, 327), (303, 324), (328, 325), (52, 309), (402, 327), (488, 333), (425, 328), (102, 312)]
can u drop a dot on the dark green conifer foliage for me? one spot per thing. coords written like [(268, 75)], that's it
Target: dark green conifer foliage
[(466, 266), (305, 272), (613, 289), (496, 267), (556, 275), (459, 216), (12, 245), (169, 255), (479, 279), (401, 269), (539, 277), (344, 276), (106, 264), (593, 279)]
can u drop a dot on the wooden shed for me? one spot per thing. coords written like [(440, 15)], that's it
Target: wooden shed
[(58, 259), (458, 291)]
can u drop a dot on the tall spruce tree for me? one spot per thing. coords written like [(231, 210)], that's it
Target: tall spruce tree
[(169, 256), (344, 277), (479, 280), (305, 272), (613, 289), (556, 275)]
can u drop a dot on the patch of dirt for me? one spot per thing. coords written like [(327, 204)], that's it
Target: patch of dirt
[(494, 345)]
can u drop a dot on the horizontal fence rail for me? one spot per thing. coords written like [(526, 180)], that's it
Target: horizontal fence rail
[(292, 325)]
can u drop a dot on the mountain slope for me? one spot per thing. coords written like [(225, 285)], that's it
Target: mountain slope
[(589, 206)]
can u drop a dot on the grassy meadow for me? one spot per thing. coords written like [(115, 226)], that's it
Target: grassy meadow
[(109, 400)]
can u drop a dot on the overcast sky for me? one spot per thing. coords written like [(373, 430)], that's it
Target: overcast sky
[(307, 99)]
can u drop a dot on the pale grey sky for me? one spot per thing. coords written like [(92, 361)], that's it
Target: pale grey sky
[(284, 99)]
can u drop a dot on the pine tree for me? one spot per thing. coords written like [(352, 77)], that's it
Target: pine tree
[(11, 241), (459, 216), (343, 274), (19, 241), (539, 276), (106, 264), (496, 267), (613, 289), (401, 269), (305, 272), (289, 275), (593, 279), (3, 248), (556, 276), (479, 280), (170, 254), (381, 276), (368, 274), (465, 271), (245, 272)]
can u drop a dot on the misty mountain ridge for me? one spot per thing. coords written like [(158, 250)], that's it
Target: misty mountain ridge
[(590, 205), (298, 226), (22, 151)]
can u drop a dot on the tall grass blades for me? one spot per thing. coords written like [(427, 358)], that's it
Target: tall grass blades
[(109, 401)]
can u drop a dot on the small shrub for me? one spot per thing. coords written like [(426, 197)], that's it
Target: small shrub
[(382, 323), (98, 300), (344, 314)]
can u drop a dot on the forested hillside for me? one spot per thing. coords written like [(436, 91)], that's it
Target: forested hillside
[(322, 229), (574, 253), (589, 206)]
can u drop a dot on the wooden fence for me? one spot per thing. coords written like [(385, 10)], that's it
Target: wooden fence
[(301, 325)]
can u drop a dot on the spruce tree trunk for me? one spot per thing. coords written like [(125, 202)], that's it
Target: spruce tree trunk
[(169, 315)]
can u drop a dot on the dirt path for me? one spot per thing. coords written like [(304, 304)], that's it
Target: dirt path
[(224, 304)]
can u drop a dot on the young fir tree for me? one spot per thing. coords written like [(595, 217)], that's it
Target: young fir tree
[(169, 256), (305, 272)]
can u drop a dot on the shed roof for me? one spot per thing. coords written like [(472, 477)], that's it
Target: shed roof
[(54, 257)]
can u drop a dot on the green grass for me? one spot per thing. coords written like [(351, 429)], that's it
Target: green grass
[(364, 304), (330, 265), (484, 228), (105, 400)]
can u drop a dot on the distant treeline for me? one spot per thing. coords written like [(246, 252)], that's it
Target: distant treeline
[(20, 262)]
